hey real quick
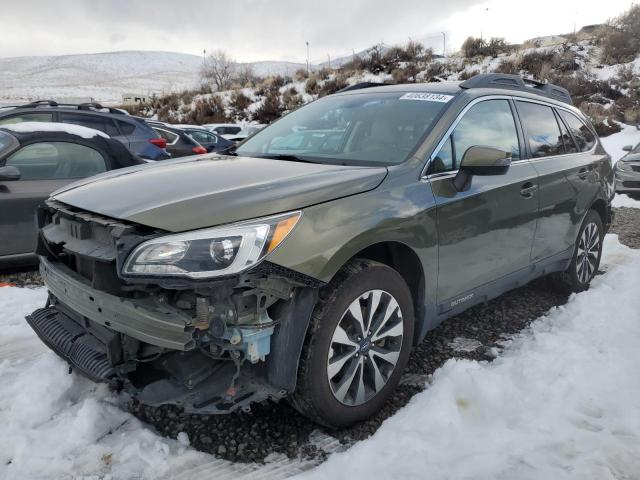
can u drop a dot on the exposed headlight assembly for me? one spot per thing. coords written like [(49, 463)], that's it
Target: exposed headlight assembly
[(211, 252)]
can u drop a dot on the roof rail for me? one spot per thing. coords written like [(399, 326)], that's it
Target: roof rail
[(516, 82), (79, 106), (97, 106), (49, 103), (360, 86)]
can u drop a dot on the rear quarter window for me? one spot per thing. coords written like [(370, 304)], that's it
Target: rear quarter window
[(583, 136), (126, 128)]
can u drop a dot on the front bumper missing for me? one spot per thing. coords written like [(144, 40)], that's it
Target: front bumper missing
[(192, 381), (73, 343), (145, 320)]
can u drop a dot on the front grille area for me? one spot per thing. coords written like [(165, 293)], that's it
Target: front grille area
[(631, 184), (87, 243), (72, 342), (635, 168)]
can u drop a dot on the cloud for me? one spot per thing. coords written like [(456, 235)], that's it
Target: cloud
[(276, 29)]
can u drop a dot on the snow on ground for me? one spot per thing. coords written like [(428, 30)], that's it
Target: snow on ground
[(629, 135), (563, 401), (621, 200)]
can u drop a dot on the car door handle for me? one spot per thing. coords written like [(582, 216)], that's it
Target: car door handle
[(528, 189)]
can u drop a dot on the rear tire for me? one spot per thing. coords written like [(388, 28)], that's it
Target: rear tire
[(586, 255), (354, 354)]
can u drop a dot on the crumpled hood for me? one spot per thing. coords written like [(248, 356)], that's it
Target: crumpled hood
[(205, 191)]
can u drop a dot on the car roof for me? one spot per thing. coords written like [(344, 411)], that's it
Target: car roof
[(82, 109), (117, 151), (450, 88), (481, 84), (26, 128)]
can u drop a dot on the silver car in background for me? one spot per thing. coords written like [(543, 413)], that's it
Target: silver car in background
[(627, 171)]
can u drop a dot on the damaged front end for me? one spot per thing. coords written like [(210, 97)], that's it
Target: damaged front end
[(209, 345)]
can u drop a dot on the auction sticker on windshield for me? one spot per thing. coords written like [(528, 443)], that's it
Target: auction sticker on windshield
[(426, 97)]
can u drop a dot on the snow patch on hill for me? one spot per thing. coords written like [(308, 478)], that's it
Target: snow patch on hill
[(106, 76)]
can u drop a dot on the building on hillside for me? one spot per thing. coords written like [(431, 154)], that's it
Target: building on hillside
[(133, 98)]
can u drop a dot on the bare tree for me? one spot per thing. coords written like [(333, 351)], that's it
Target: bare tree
[(245, 74), (219, 70)]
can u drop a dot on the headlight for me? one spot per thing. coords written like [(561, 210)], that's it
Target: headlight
[(211, 252), (621, 165)]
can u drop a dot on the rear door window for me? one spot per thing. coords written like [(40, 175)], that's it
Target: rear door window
[(541, 129), (584, 138), (103, 124), (57, 161), (27, 117)]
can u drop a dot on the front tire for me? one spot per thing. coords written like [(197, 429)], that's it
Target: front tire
[(357, 347), (586, 256)]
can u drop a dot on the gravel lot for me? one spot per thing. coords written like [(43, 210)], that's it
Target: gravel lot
[(276, 428)]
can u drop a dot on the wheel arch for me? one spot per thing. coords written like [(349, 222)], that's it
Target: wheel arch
[(406, 262), (600, 206)]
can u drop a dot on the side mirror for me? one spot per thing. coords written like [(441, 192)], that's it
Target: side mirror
[(627, 148), (9, 173), (485, 161), (480, 161)]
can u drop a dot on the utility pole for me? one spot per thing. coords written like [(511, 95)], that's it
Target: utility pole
[(353, 56), (204, 56), (329, 57), (444, 44), (307, 57), (484, 17)]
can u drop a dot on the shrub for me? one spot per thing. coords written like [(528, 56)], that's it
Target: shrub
[(239, 103), (620, 39), (467, 74), (301, 74), (207, 110), (508, 66), (475, 47), (606, 128), (312, 85), (291, 100), (270, 109), (433, 70), (400, 75), (338, 82), (472, 47)]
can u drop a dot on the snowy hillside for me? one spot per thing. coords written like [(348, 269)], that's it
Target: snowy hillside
[(106, 76)]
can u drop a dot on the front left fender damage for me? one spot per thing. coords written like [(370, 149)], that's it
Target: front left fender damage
[(209, 347)]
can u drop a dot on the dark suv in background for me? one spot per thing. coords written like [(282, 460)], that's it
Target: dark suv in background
[(132, 132), (310, 263)]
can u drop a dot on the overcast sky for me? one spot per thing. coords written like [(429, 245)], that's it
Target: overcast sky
[(252, 30)]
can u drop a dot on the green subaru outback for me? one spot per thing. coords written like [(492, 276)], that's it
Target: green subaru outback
[(308, 263)]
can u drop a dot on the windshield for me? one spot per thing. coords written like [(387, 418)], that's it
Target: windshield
[(6, 142), (358, 129)]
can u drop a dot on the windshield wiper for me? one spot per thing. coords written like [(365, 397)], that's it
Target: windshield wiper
[(286, 157)]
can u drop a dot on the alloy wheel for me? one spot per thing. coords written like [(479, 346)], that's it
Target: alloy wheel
[(365, 347), (588, 251)]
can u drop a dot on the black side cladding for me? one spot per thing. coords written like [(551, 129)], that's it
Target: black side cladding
[(72, 342)]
